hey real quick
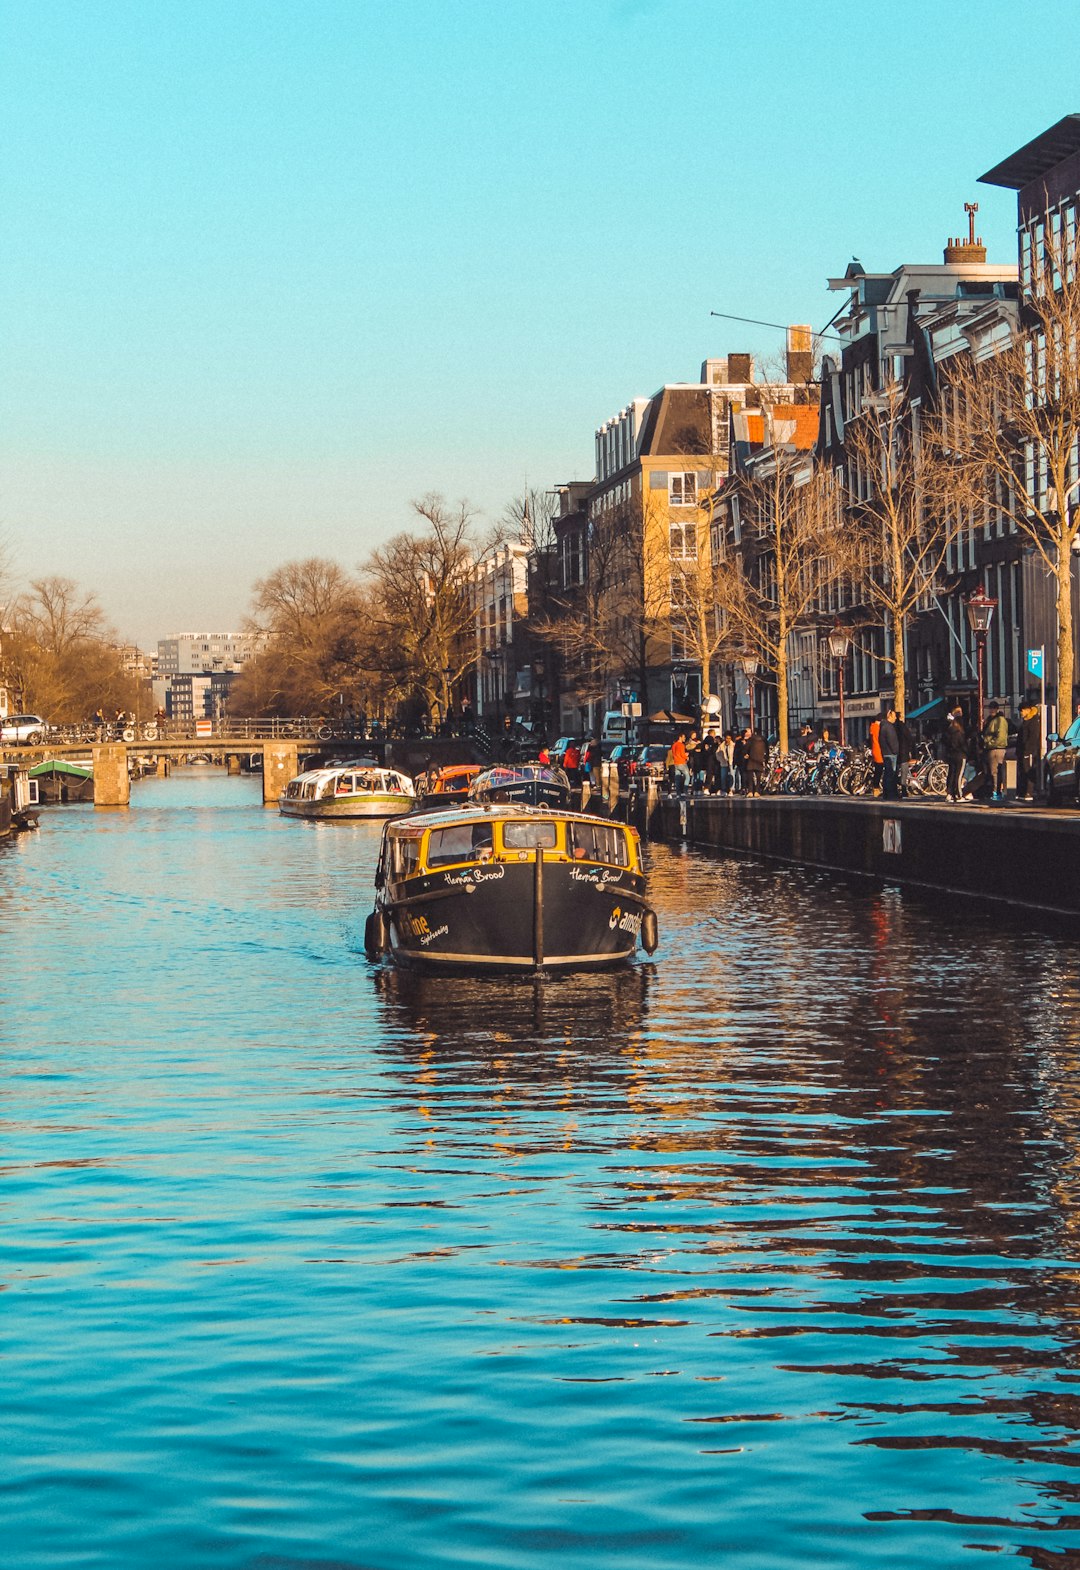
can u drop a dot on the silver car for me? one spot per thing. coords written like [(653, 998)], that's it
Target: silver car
[(28, 728)]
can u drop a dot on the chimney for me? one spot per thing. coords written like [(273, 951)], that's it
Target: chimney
[(959, 252), (740, 367), (800, 354)]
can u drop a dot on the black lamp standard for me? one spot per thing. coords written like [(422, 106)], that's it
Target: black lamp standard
[(980, 608), (749, 662), (839, 643)]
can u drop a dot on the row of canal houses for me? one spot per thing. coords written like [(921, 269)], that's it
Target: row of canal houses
[(580, 615)]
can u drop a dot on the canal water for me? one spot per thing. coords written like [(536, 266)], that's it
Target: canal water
[(765, 1254)]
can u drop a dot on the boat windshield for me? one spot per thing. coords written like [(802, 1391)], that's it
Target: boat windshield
[(459, 842), (529, 836)]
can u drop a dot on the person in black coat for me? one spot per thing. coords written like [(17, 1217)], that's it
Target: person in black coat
[(1028, 752), (757, 754), (708, 760), (738, 760), (906, 752), (955, 747)]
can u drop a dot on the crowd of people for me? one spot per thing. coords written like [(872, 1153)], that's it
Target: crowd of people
[(735, 762)]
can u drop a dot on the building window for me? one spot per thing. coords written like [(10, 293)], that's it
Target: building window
[(683, 541), (682, 490)]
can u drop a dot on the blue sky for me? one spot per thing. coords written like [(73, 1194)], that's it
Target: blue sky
[(270, 270)]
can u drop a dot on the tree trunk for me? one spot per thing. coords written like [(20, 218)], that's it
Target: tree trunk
[(1064, 639), (899, 669), (782, 693)]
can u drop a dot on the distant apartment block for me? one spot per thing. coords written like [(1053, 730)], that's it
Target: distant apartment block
[(195, 671)]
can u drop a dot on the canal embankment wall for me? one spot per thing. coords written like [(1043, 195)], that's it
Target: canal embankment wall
[(1018, 856)]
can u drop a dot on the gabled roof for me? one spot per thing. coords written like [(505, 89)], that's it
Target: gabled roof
[(1037, 157)]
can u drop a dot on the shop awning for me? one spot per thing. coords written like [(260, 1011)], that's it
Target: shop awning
[(913, 714)]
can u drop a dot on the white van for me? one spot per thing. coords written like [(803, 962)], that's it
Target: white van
[(617, 727)]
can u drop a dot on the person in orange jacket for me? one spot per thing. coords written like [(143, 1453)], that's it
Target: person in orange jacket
[(680, 763)]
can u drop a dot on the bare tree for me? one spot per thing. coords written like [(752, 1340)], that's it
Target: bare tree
[(911, 493), (61, 656), (424, 606), (1017, 413), (310, 616), (791, 524)]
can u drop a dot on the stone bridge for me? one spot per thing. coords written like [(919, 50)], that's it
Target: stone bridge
[(278, 757)]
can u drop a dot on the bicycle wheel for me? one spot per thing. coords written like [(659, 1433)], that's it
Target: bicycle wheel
[(149, 731), (937, 779), (324, 732)]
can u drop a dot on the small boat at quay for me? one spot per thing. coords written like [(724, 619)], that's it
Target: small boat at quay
[(535, 784), (508, 887), (444, 786), (349, 790)]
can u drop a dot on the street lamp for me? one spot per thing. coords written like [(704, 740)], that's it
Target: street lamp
[(678, 686), (749, 662), (839, 643), (980, 608)]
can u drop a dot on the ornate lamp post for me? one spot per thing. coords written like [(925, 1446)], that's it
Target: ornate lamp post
[(980, 608), (678, 686), (749, 662), (839, 643)]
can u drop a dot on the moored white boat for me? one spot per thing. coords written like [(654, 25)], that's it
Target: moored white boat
[(349, 790)]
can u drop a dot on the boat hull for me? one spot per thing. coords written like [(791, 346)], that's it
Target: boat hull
[(373, 805), (494, 917)]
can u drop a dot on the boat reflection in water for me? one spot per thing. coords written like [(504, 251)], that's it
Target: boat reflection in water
[(509, 888), (550, 1025)]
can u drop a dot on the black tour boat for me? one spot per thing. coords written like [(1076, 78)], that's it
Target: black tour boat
[(509, 887), (535, 784)]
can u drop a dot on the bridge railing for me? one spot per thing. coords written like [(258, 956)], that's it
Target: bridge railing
[(227, 729)]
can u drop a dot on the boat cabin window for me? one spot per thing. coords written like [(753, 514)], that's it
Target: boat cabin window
[(529, 836), (406, 856), (459, 842), (598, 842), (345, 785)]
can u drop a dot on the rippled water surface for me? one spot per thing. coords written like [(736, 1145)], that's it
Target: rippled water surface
[(764, 1254)]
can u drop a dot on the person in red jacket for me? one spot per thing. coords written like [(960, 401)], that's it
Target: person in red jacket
[(878, 757)]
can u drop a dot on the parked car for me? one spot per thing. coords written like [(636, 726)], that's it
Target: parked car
[(1062, 772), (622, 757), (27, 728), (649, 763)]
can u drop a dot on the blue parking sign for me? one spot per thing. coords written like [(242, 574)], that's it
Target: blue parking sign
[(1035, 662)]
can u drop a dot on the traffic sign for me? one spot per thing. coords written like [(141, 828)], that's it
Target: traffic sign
[(1035, 662)]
